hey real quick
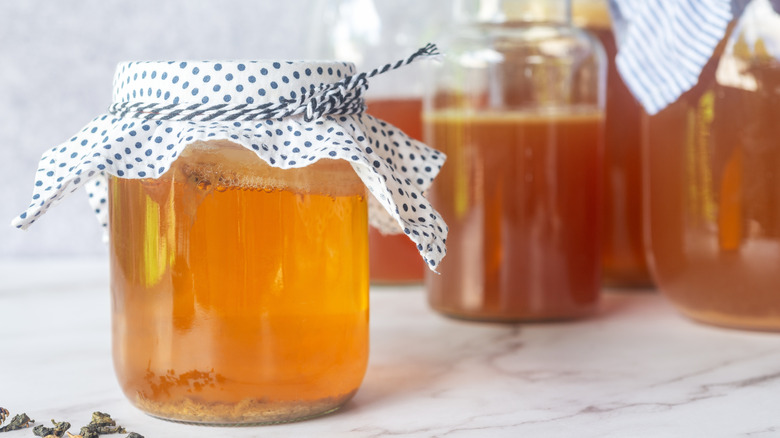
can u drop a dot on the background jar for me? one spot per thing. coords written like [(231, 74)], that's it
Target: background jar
[(712, 161), (239, 290), (623, 243), (367, 33), (517, 105)]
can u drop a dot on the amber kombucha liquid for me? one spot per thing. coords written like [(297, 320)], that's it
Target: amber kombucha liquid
[(623, 247), (393, 258), (713, 161), (520, 193), (239, 290)]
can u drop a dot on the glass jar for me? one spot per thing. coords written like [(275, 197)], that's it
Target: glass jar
[(623, 246), (235, 198), (393, 258), (713, 183), (239, 290), (517, 106), (367, 32)]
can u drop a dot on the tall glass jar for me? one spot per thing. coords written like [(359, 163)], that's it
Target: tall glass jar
[(239, 290), (517, 105), (623, 243), (713, 182)]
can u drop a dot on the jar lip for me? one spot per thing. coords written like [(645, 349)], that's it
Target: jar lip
[(214, 81), (235, 62)]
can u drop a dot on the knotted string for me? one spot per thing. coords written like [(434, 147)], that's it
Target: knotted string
[(337, 98)]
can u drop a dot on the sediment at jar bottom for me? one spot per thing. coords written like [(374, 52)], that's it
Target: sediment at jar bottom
[(244, 299), (520, 194), (246, 412)]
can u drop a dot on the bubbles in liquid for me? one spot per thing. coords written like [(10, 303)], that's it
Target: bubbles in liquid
[(204, 185), (220, 188)]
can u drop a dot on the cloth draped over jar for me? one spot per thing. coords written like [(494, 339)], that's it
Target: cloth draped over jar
[(663, 45), (289, 113)]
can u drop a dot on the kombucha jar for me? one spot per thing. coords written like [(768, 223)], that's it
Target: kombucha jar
[(365, 32), (239, 290), (623, 247), (517, 105), (393, 258), (713, 182), (235, 195)]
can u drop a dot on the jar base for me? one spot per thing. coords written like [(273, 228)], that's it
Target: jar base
[(244, 413), (627, 279), (763, 324), (400, 283), (508, 319)]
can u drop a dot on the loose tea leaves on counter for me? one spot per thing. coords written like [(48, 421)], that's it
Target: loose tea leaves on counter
[(101, 424), (18, 422), (57, 431)]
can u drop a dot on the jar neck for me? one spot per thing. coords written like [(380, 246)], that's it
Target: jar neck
[(514, 11)]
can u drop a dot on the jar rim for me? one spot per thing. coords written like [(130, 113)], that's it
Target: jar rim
[(217, 82)]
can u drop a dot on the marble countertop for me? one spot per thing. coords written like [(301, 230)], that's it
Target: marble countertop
[(637, 369)]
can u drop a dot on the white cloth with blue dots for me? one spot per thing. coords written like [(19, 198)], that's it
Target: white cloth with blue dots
[(161, 107)]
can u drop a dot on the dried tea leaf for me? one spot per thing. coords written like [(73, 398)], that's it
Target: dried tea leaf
[(3, 414), (87, 432), (18, 422), (101, 424), (102, 419), (57, 431), (134, 435)]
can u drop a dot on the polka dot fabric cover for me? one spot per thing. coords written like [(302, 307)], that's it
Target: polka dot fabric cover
[(395, 168)]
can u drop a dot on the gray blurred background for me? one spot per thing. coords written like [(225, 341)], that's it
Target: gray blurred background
[(57, 61)]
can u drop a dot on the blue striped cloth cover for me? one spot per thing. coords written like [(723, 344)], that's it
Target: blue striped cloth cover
[(664, 44)]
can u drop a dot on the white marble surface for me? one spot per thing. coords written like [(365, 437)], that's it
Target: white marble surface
[(638, 369)]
